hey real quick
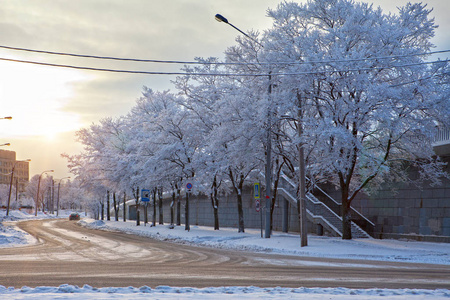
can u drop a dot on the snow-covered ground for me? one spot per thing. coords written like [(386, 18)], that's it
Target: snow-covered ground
[(283, 243), (367, 249)]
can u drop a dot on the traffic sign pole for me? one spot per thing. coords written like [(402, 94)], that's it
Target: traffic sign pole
[(145, 198), (257, 196)]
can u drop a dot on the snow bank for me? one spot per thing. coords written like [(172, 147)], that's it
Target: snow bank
[(166, 292), (10, 235)]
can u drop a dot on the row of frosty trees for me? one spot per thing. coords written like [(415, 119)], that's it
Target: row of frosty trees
[(361, 85), (65, 194)]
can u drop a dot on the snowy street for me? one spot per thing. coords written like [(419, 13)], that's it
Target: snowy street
[(75, 261), (302, 148)]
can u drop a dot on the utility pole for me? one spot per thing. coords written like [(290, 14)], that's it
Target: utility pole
[(302, 179)]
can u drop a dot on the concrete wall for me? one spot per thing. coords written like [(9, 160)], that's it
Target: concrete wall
[(201, 212), (401, 210), (409, 212), (398, 210)]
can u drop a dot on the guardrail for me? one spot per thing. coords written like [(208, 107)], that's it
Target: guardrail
[(442, 135)]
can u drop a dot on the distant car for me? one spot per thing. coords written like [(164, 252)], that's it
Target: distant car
[(74, 217)]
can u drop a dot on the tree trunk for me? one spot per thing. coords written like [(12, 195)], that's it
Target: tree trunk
[(108, 208), (178, 206), (172, 208), (154, 207), (238, 189), (160, 206), (274, 192), (116, 208), (138, 215), (124, 207), (145, 213), (138, 212), (240, 212), (186, 213), (240, 209), (102, 206), (345, 212), (215, 203)]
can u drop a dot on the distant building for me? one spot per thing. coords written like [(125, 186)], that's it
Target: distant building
[(21, 170)]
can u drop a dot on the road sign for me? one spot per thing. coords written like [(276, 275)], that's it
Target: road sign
[(145, 195), (256, 191), (257, 205), (189, 186)]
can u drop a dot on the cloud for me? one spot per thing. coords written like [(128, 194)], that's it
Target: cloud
[(44, 98)]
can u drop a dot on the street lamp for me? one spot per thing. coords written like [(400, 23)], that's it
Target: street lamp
[(57, 199), (6, 118), (6, 144), (268, 171), (268, 167), (10, 184), (37, 196), (220, 18)]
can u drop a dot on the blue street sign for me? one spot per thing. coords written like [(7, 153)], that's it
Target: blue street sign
[(189, 186), (256, 191), (145, 195)]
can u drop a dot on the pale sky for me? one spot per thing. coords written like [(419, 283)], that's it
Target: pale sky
[(49, 104)]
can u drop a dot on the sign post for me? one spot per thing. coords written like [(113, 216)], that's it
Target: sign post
[(145, 197)]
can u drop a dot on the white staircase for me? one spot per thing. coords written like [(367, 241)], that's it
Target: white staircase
[(317, 212)]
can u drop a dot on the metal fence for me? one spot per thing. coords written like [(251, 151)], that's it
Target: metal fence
[(442, 135)]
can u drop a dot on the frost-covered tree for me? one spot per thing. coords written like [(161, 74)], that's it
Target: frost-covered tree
[(221, 113), (106, 162), (4, 193), (72, 195), (369, 99), (165, 141), (31, 190), (339, 80)]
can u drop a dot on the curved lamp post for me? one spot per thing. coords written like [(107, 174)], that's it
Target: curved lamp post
[(268, 167), (39, 184), (302, 207), (10, 184), (57, 200), (220, 18)]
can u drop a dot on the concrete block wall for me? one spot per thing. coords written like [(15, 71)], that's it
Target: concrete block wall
[(409, 211), (398, 210), (201, 212), (401, 210)]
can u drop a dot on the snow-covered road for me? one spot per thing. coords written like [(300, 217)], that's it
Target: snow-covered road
[(315, 256)]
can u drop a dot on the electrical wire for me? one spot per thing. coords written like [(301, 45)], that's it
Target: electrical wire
[(218, 63), (216, 74)]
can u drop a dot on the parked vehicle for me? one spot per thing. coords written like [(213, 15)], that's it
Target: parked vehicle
[(74, 217)]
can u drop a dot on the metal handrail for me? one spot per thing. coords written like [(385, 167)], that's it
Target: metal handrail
[(287, 179), (442, 135), (323, 192)]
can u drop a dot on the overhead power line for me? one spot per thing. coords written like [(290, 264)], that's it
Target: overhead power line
[(218, 74), (218, 63)]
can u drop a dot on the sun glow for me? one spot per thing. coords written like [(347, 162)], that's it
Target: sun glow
[(35, 97)]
